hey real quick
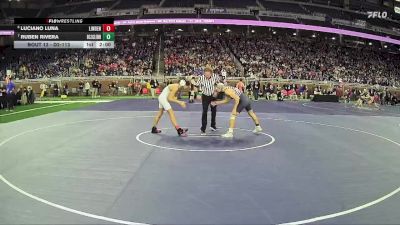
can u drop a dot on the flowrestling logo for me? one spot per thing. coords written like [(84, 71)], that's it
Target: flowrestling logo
[(378, 14)]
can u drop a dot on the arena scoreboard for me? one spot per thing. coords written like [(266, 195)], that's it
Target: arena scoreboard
[(64, 33)]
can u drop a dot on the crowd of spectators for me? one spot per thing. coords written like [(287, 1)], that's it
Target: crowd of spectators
[(11, 96), (270, 91), (131, 56), (275, 56), (293, 91), (187, 55), (371, 96), (83, 88), (290, 57)]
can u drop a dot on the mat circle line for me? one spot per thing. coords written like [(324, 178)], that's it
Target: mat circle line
[(206, 150)]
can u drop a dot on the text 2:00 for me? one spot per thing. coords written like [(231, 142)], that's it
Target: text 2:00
[(105, 44)]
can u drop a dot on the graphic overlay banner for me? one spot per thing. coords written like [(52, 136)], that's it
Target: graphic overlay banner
[(64, 33)]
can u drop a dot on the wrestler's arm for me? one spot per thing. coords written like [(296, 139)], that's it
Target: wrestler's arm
[(224, 101), (230, 94), (172, 98)]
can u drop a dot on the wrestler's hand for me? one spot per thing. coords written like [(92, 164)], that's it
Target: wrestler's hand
[(182, 104), (214, 103)]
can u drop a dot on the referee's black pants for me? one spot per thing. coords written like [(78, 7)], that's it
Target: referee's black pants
[(206, 100), (10, 101)]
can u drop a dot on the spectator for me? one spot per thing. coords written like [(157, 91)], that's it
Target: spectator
[(224, 75), (80, 88), (55, 90), (394, 100), (130, 88), (317, 91), (153, 85), (303, 91), (256, 89), (65, 89), (99, 84), (279, 94), (113, 88), (24, 96), (18, 97), (3, 98), (43, 88), (31, 95), (148, 87), (193, 90), (10, 87), (138, 88), (94, 88), (87, 88), (240, 85)]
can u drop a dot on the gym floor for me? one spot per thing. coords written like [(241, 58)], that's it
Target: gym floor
[(318, 163)]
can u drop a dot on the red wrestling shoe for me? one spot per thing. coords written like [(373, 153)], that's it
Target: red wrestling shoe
[(182, 132)]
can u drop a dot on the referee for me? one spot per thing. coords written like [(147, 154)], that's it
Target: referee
[(206, 84)]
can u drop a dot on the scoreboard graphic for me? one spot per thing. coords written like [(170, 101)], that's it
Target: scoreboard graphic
[(64, 33)]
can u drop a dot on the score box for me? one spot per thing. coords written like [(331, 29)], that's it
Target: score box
[(108, 36), (108, 28)]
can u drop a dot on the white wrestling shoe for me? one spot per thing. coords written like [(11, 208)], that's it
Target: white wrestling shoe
[(257, 130), (227, 135)]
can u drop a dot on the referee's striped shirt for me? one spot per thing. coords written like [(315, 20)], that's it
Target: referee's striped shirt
[(207, 85)]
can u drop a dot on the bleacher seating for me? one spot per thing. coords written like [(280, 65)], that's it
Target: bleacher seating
[(316, 23), (363, 5), (178, 3), (354, 16), (234, 4), (156, 16), (280, 6), (278, 19), (87, 7), (61, 2), (361, 30), (45, 12), (383, 23), (125, 17), (202, 2), (228, 16), (334, 13), (184, 3), (134, 56), (21, 12), (337, 3), (62, 9), (129, 4)]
